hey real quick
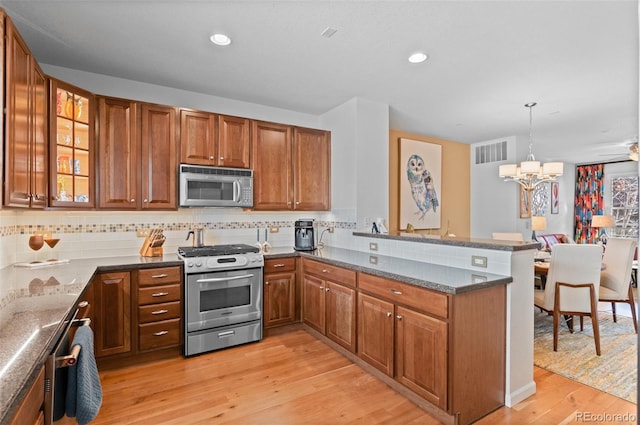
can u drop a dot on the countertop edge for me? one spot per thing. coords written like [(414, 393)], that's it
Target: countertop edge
[(497, 245)]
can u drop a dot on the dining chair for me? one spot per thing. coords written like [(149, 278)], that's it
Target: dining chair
[(508, 236), (572, 287), (615, 278)]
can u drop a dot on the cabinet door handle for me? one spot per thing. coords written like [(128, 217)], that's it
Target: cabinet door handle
[(395, 292), (132, 200), (399, 317), (388, 314), (278, 265), (266, 283), (160, 312), (160, 294), (297, 202), (146, 201), (326, 289), (212, 157), (161, 333), (222, 158), (321, 288), (159, 276)]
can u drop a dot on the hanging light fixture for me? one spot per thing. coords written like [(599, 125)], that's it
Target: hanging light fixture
[(531, 173)]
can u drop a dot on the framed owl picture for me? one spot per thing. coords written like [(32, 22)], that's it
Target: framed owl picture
[(420, 180)]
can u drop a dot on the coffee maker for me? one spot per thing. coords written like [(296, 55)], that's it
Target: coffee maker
[(304, 235)]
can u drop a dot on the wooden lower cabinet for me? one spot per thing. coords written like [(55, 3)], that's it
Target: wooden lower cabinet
[(421, 355), (159, 308), (136, 311), (279, 299), (31, 410), (112, 313), (329, 306), (313, 304), (376, 324), (281, 305), (449, 349)]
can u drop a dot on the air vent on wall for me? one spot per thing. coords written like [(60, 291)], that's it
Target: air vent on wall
[(491, 153)]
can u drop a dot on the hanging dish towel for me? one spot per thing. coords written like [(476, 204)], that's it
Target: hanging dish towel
[(84, 392)]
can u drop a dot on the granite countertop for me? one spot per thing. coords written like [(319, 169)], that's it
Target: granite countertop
[(33, 312), (498, 245), (450, 280)]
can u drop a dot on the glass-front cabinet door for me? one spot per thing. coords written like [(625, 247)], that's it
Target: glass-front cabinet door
[(72, 146)]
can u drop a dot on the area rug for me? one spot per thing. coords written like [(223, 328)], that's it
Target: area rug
[(614, 372)]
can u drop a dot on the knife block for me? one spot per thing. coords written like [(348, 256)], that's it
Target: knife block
[(152, 245), (152, 252)]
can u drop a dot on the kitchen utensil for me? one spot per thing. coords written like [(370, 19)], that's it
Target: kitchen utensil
[(258, 244), (266, 246), (36, 242)]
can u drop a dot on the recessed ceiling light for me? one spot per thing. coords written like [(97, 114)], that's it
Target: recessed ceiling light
[(418, 57), (220, 39)]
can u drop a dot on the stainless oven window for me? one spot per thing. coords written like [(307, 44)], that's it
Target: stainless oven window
[(210, 190), (215, 299)]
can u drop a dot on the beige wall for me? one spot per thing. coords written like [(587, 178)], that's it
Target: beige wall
[(455, 199)]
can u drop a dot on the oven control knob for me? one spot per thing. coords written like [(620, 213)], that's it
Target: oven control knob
[(189, 264), (199, 264)]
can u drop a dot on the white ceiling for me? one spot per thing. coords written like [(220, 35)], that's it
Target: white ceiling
[(577, 59)]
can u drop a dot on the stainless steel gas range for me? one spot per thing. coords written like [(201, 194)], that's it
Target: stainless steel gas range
[(223, 296)]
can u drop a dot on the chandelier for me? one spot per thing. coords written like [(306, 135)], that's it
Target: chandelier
[(530, 173)]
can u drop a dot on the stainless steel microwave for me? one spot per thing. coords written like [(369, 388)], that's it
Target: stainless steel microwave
[(204, 186)]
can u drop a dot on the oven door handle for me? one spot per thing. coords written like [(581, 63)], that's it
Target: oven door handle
[(222, 279)]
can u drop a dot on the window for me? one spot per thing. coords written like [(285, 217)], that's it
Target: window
[(624, 206)]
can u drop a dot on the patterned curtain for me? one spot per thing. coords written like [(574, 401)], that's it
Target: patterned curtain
[(589, 201)]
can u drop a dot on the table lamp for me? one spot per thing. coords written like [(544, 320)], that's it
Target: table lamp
[(602, 222), (538, 222)]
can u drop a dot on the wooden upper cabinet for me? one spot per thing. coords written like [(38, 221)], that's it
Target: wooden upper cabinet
[(159, 157), (71, 147), (197, 138), (216, 140), (137, 156), (291, 167), (117, 154), (26, 125), (311, 169), (233, 142), (272, 171)]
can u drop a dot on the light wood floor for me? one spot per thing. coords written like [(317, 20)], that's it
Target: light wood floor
[(293, 378)]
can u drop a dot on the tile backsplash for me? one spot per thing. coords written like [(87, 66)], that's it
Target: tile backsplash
[(104, 234)]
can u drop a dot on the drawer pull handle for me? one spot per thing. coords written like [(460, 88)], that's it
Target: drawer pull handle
[(226, 334), (388, 314), (278, 265), (161, 333), (160, 294), (160, 312), (395, 292), (159, 276), (325, 271)]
